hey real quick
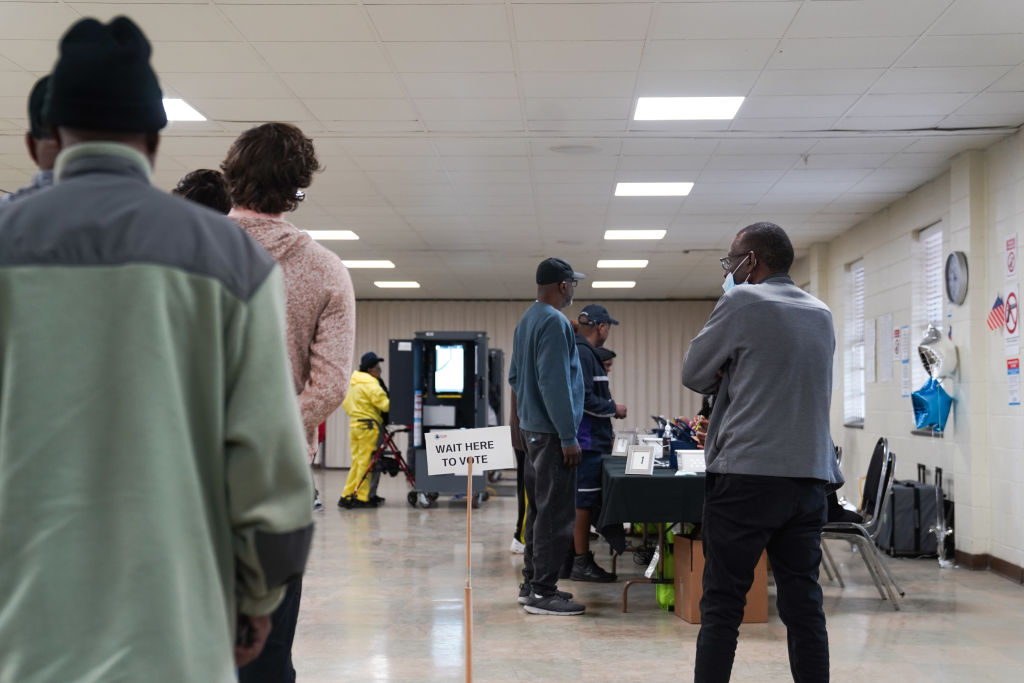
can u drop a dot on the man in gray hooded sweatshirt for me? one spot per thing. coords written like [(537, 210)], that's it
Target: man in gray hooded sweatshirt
[(766, 353)]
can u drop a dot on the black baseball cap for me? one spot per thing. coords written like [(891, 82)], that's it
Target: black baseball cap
[(369, 359), (552, 270), (596, 313)]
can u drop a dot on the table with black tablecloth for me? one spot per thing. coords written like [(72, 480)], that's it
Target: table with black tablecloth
[(659, 497)]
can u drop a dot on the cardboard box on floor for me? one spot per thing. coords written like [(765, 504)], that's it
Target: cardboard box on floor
[(689, 584)]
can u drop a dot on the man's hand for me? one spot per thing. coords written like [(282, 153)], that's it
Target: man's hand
[(620, 411), (571, 455), (251, 643)]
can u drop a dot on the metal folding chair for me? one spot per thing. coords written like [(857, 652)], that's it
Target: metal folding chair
[(877, 489)]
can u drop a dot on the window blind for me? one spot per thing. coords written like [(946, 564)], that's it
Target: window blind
[(854, 407)]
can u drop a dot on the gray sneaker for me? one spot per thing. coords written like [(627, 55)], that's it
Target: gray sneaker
[(524, 594), (554, 605)]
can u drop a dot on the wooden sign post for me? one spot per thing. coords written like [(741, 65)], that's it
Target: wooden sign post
[(457, 452)]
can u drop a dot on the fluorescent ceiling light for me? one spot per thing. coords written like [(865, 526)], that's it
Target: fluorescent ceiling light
[(180, 110), (613, 284), (365, 263), (328, 235), (686, 108), (612, 263), (392, 284), (634, 234), (652, 189)]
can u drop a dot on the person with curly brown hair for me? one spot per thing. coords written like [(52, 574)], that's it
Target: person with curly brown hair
[(266, 168), (207, 187)]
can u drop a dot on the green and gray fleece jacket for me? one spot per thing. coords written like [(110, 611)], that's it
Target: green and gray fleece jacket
[(153, 480)]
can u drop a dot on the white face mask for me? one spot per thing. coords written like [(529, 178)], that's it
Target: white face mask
[(729, 281)]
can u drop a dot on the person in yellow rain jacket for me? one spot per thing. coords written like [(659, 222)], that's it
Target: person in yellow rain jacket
[(366, 400)]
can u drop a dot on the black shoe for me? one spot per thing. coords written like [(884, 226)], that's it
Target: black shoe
[(377, 500), (364, 503), (554, 605), (844, 515), (524, 594), (585, 569), (346, 502)]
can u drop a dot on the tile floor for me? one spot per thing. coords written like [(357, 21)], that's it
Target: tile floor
[(383, 601)]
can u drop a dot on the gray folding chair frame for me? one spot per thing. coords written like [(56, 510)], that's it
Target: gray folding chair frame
[(865, 534)]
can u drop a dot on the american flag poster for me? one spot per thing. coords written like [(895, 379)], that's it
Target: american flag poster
[(996, 317)]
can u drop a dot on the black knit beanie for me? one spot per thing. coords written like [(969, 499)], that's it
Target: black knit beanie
[(36, 123), (103, 81)]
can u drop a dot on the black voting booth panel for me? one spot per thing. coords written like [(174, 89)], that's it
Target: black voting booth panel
[(440, 381)]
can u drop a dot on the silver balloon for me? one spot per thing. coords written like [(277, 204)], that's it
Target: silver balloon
[(938, 354)]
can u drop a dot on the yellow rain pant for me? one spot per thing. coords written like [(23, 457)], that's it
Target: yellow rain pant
[(363, 443)]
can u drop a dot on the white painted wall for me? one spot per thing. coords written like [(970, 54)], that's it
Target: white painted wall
[(978, 201)]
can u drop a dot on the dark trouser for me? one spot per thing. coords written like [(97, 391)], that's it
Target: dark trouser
[(274, 665), (743, 515), (550, 510), (520, 494)]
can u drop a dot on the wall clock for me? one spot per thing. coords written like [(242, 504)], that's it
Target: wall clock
[(956, 277)]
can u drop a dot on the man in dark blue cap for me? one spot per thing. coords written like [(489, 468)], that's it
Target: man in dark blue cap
[(42, 146), (595, 437), (544, 373)]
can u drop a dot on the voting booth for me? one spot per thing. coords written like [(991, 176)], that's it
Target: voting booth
[(440, 381)]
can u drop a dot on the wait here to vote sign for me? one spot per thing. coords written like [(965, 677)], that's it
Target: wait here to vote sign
[(449, 452)]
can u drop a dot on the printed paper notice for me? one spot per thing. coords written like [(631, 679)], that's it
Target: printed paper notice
[(905, 344), (1010, 257), (885, 364), (869, 350), (1012, 327), (905, 379), (1013, 380)]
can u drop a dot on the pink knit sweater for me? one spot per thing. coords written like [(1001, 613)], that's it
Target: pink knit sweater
[(321, 315)]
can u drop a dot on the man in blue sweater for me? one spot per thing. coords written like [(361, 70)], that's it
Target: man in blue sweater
[(545, 374)]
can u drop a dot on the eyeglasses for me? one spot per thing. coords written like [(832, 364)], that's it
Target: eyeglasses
[(572, 282), (726, 261)]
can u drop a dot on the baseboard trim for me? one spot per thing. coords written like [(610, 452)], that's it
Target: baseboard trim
[(998, 566)]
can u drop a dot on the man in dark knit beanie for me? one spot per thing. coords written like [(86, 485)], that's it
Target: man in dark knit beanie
[(42, 147), (154, 524)]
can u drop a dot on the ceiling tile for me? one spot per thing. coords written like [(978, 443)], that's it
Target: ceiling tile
[(468, 109), (451, 57), (705, 83), (324, 57), (816, 81), (581, 21), (668, 146), (940, 80), (995, 103), (980, 17), (601, 84), (469, 147), (664, 162), (580, 56), (888, 123), (31, 55), (252, 110), (960, 51), (1005, 120), (361, 110), (187, 57), (36, 20), (838, 53), (457, 85), (776, 106), (372, 85), (300, 22), (578, 108), (222, 86), (920, 104), (865, 18), (418, 23), (687, 55), (703, 20)]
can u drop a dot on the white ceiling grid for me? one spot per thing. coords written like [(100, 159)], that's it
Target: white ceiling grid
[(466, 140)]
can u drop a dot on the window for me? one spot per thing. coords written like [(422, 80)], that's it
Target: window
[(927, 293), (853, 378)]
